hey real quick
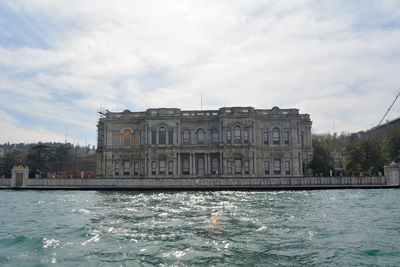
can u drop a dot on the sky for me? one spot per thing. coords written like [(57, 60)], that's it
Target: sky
[(61, 61)]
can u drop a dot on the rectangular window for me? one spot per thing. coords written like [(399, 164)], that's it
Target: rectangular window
[(302, 139), (229, 167), (116, 168), (171, 137), (161, 166), (153, 168), (185, 166), (153, 137), (246, 167), (126, 168), (215, 136), (286, 137), (228, 136), (266, 168), (266, 137), (186, 137), (143, 137), (287, 167), (136, 169), (277, 166), (238, 166), (170, 167), (214, 166), (246, 136)]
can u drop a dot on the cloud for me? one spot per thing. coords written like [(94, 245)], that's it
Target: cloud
[(336, 60)]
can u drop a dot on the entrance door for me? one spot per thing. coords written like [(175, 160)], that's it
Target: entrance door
[(19, 179)]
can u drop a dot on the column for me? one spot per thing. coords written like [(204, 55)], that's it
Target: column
[(205, 164), (179, 163), (145, 165), (190, 164), (220, 162), (209, 163), (194, 164), (255, 163)]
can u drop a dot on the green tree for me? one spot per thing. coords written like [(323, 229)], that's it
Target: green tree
[(38, 159), (60, 159), (322, 161), (10, 159), (391, 146), (363, 156)]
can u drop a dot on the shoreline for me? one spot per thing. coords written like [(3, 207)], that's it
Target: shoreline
[(203, 183)]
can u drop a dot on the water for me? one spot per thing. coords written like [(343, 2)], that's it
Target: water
[(296, 228)]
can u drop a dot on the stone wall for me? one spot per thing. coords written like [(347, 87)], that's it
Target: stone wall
[(212, 183)]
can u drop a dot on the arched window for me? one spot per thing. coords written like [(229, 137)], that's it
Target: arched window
[(200, 166), (276, 136), (237, 134), (162, 136), (200, 136), (186, 137), (127, 137)]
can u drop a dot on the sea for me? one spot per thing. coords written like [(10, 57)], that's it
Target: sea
[(220, 228)]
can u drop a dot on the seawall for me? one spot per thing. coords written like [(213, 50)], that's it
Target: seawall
[(207, 183)]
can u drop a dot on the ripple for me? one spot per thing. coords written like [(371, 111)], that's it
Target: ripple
[(225, 228)]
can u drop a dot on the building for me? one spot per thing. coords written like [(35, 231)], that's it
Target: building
[(229, 142)]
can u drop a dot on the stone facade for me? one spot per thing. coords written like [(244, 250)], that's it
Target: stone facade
[(229, 142)]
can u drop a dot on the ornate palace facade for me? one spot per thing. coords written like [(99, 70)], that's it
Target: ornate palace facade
[(231, 141)]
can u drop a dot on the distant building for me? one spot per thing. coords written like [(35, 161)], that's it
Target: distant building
[(231, 141)]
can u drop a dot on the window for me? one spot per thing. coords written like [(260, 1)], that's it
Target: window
[(143, 137), (161, 167), (186, 137), (287, 167), (246, 167), (302, 139), (237, 135), (162, 136), (215, 137), (276, 136), (117, 168), (171, 137), (153, 137), (246, 136), (277, 166), (136, 168), (266, 137), (185, 166), (214, 166), (228, 136), (200, 166), (126, 168), (229, 167), (153, 168), (127, 137), (286, 137), (266, 167), (170, 167), (200, 136), (238, 166)]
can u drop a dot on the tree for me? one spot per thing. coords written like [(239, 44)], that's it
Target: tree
[(61, 158), (10, 159), (322, 161), (37, 159), (391, 145), (363, 156)]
